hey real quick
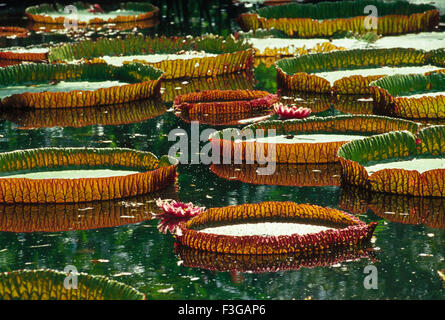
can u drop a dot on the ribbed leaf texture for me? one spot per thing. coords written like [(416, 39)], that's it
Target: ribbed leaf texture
[(321, 152), (391, 95), (154, 175), (348, 231), (429, 142), (49, 285), (39, 13), (338, 18), (299, 73)]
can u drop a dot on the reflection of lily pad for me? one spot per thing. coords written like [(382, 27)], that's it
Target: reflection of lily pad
[(14, 32), (320, 102), (328, 19), (76, 85), (300, 175), (317, 102), (178, 57), (87, 14), (311, 140), (349, 72), (410, 96), (49, 285), (397, 162), (273, 228), (236, 81), (270, 47), (125, 113), (80, 216), (353, 104), (98, 27), (395, 208), (222, 262), (226, 119), (48, 175)]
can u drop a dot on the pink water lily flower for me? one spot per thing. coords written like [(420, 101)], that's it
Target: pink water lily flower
[(95, 8), (291, 112), (179, 209)]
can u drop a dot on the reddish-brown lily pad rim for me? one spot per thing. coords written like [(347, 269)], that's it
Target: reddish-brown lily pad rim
[(224, 101), (153, 174), (38, 13), (393, 146), (301, 152), (353, 231)]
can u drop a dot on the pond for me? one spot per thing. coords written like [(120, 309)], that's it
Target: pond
[(407, 254)]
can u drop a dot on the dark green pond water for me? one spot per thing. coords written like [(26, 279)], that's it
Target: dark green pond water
[(407, 256)]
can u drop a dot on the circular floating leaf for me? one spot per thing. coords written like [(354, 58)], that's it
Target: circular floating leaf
[(335, 18), (49, 285), (230, 55), (224, 102), (291, 143), (305, 73), (152, 175), (96, 27), (94, 14), (410, 96), (143, 82), (340, 229), (404, 163)]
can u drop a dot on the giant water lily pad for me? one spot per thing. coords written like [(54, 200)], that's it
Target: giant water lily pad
[(91, 14), (397, 162), (410, 96), (299, 175), (36, 54), (311, 140), (124, 113), (223, 262), (273, 228), (401, 209), (49, 285), (236, 105), (351, 71), (100, 28), (70, 175), (76, 85), (225, 101), (178, 57), (334, 18), (269, 44)]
